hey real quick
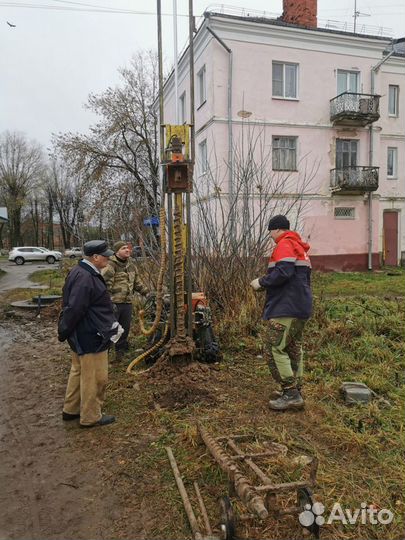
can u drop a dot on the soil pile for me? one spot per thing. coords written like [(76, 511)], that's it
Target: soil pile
[(180, 383)]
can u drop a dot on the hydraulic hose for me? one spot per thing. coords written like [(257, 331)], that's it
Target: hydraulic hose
[(150, 351)]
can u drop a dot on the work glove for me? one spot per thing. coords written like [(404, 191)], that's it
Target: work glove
[(256, 285), (119, 331)]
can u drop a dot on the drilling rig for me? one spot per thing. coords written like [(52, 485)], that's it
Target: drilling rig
[(182, 322)]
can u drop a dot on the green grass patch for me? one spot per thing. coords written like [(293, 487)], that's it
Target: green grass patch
[(379, 283)]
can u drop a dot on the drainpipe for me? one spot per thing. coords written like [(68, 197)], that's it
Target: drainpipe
[(374, 70), (230, 132)]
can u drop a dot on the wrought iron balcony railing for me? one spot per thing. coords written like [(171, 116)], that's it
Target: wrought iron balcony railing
[(350, 108), (354, 179)]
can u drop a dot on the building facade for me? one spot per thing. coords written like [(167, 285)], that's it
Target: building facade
[(323, 113)]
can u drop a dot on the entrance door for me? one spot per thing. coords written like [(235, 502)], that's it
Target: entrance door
[(390, 224)]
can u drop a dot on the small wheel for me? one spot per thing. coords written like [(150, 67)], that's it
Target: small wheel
[(72, 256), (305, 503), (51, 259), (19, 260), (227, 520)]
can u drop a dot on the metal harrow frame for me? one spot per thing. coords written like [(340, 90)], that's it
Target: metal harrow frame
[(260, 500)]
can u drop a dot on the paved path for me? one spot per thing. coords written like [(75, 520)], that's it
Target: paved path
[(17, 276)]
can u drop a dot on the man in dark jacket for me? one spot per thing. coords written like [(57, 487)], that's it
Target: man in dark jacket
[(88, 323), (287, 308)]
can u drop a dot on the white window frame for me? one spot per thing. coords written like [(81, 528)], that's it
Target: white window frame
[(202, 86), (348, 73), (284, 150), (203, 157), (393, 150), (395, 101), (350, 215), (283, 95), (182, 108)]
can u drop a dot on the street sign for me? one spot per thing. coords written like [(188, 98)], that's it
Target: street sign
[(152, 221)]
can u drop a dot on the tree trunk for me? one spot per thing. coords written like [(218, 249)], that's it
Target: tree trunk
[(1, 235), (35, 221), (15, 227), (50, 235)]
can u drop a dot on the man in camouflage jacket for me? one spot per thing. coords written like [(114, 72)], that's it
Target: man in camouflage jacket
[(122, 281)]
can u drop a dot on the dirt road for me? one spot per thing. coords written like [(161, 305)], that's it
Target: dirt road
[(57, 479)]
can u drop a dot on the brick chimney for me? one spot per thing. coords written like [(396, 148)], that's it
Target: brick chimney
[(300, 12)]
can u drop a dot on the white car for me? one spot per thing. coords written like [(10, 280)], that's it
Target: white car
[(23, 254), (73, 252)]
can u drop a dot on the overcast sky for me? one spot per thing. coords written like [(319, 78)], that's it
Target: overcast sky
[(55, 57)]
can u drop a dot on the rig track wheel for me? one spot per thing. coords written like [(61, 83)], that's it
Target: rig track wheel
[(227, 519)]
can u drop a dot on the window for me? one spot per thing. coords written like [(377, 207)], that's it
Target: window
[(182, 108), (393, 93), (346, 153), (347, 81), (285, 79), (203, 156), (345, 212), (284, 153), (201, 86), (392, 157)]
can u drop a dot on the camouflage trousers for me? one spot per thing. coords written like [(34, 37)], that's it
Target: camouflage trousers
[(284, 346)]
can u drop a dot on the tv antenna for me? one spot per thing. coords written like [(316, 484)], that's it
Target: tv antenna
[(357, 14)]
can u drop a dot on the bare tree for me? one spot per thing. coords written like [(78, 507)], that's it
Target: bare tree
[(230, 237), (66, 192), (124, 141), (21, 168)]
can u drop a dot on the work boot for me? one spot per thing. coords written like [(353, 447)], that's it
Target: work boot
[(104, 421), (275, 394), (278, 393), (67, 417), (291, 399)]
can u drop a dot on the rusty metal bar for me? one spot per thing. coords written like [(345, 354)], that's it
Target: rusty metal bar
[(203, 509), (257, 455), (243, 488), (286, 486), (186, 501), (263, 477), (314, 470), (240, 438), (289, 510)]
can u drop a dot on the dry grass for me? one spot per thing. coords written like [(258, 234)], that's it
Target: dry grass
[(360, 449)]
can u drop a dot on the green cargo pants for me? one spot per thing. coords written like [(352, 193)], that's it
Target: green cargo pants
[(284, 341)]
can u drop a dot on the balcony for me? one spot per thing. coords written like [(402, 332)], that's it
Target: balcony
[(353, 180), (350, 109)]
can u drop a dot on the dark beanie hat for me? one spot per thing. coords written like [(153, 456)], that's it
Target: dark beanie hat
[(278, 222), (118, 245)]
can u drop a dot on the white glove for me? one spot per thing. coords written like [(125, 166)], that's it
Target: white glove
[(119, 333), (256, 285)]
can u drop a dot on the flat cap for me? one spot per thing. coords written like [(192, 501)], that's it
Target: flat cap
[(97, 247)]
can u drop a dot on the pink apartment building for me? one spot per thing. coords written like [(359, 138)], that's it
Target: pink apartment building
[(325, 104)]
